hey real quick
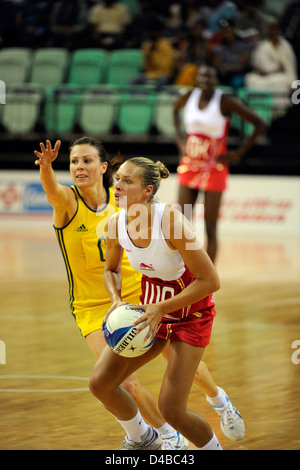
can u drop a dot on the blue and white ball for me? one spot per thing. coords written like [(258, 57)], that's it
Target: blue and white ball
[(121, 336)]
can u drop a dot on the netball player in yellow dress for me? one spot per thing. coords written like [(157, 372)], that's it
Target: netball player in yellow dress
[(80, 213)]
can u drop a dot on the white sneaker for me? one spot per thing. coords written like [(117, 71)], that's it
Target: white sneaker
[(232, 424), (151, 440), (177, 442)]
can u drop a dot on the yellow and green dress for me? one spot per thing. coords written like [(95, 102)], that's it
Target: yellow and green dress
[(83, 247)]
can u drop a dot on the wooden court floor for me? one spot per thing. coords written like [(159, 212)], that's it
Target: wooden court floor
[(44, 398)]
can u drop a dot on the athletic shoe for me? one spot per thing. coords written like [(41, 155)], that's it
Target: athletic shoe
[(151, 440), (232, 424), (177, 442)]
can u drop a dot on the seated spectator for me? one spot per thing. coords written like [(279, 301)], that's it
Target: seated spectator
[(7, 23), (159, 59), (192, 52), (290, 27), (230, 56), (274, 67), (218, 10), (190, 13), (68, 24), (252, 21), (139, 29), (32, 23), (109, 22)]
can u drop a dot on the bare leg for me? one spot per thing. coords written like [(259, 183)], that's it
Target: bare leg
[(203, 378), (212, 202), (175, 392), (186, 199), (146, 402), (110, 371)]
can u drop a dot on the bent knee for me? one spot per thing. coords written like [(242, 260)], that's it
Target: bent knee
[(172, 414), (132, 385), (98, 386)]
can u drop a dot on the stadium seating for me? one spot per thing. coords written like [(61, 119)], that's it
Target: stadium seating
[(124, 65), (49, 66), (164, 109), (88, 67), (259, 100), (98, 109), (22, 109), (15, 65), (136, 110), (61, 108)]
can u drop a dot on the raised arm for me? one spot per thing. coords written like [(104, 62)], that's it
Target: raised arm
[(60, 197)]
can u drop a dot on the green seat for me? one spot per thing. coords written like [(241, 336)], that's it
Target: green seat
[(49, 66), (260, 101), (98, 109), (136, 111), (236, 121), (22, 109), (88, 67), (133, 5), (164, 111), (15, 65), (61, 108), (125, 64)]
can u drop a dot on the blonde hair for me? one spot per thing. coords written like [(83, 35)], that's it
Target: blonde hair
[(151, 172)]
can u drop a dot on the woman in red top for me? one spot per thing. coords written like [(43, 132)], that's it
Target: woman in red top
[(204, 162)]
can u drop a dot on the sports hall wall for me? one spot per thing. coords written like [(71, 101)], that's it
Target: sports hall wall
[(252, 205)]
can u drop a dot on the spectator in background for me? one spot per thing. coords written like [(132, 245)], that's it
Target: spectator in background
[(252, 21), (290, 26), (190, 13), (159, 59), (139, 29), (217, 10), (68, 23), (7, 23), (192, 52), (274, 67), (109, 22), (33, 23), (230, 56)]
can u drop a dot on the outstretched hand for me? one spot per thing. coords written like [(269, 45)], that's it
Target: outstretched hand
[(47, 155)]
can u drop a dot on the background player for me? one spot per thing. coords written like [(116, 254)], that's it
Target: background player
[(205, 159)]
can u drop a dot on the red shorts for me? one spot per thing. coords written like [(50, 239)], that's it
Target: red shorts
[(214, 179), (194, 329)]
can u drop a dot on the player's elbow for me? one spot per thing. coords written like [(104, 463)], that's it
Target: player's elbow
[(214, 282)]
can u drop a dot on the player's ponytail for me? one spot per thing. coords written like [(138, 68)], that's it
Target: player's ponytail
[(163, 170)]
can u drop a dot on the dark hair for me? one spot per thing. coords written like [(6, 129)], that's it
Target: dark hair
[(152, 172), (113, 164)]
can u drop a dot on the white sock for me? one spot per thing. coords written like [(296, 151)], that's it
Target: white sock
[(213, 444), (135, 427), (166, 430), (219, 400)]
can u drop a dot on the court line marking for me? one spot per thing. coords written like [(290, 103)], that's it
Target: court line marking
[(44, 377), (16, 317)]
